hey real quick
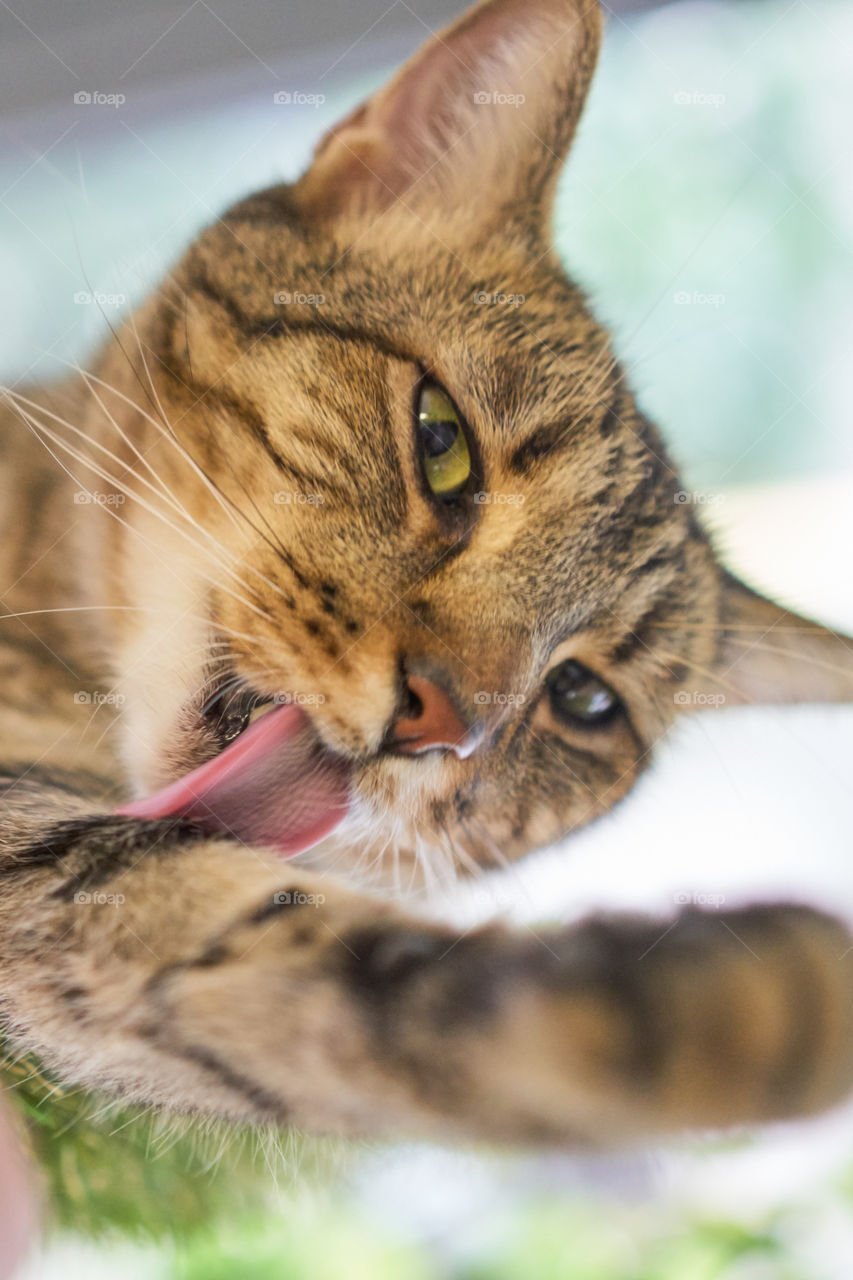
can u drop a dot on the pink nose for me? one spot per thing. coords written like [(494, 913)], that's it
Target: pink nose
[(431, 723)]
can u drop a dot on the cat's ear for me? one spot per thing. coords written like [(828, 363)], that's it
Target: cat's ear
[(482, 115), (768, 654)]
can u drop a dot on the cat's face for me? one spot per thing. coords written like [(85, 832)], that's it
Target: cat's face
[(423, 474)]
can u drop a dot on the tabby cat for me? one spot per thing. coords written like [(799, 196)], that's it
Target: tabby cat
[(359, 563)]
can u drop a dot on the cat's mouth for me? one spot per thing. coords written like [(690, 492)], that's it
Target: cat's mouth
[(275, 785)]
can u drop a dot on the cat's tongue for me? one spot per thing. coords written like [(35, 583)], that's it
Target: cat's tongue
[(274, 785)]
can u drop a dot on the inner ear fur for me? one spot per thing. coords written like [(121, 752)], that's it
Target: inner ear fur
[(769, 654), (483, 114)]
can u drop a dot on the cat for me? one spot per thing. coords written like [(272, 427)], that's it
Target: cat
[(361, 561)]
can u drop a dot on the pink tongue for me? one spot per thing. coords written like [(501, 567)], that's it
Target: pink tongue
[(274, 785)]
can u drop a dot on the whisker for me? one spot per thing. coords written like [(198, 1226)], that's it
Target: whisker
[(159, 491), (810, 658), (167, 432), (38, 428), (698, 625), (78, 608)]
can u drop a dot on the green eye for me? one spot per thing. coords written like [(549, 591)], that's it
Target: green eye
[(446, 460), (578, 695)]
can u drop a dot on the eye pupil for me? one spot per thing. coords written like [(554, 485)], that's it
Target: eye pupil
[(577, 695), (232, 724), (230, 714), (438, 437)]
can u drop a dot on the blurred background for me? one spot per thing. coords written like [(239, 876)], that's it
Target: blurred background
[(708, 209)]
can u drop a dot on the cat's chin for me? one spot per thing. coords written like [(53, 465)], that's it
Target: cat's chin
[(275, 785)]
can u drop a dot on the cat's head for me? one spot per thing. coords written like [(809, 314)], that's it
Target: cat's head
[(410, 487)]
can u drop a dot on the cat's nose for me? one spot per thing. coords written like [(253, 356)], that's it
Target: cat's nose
[(428, 721)]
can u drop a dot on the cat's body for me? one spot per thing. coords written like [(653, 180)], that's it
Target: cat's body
[(237, 497)]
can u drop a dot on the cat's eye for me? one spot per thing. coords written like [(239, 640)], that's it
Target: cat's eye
[(231, 714), (578, 696), (445, 456)]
